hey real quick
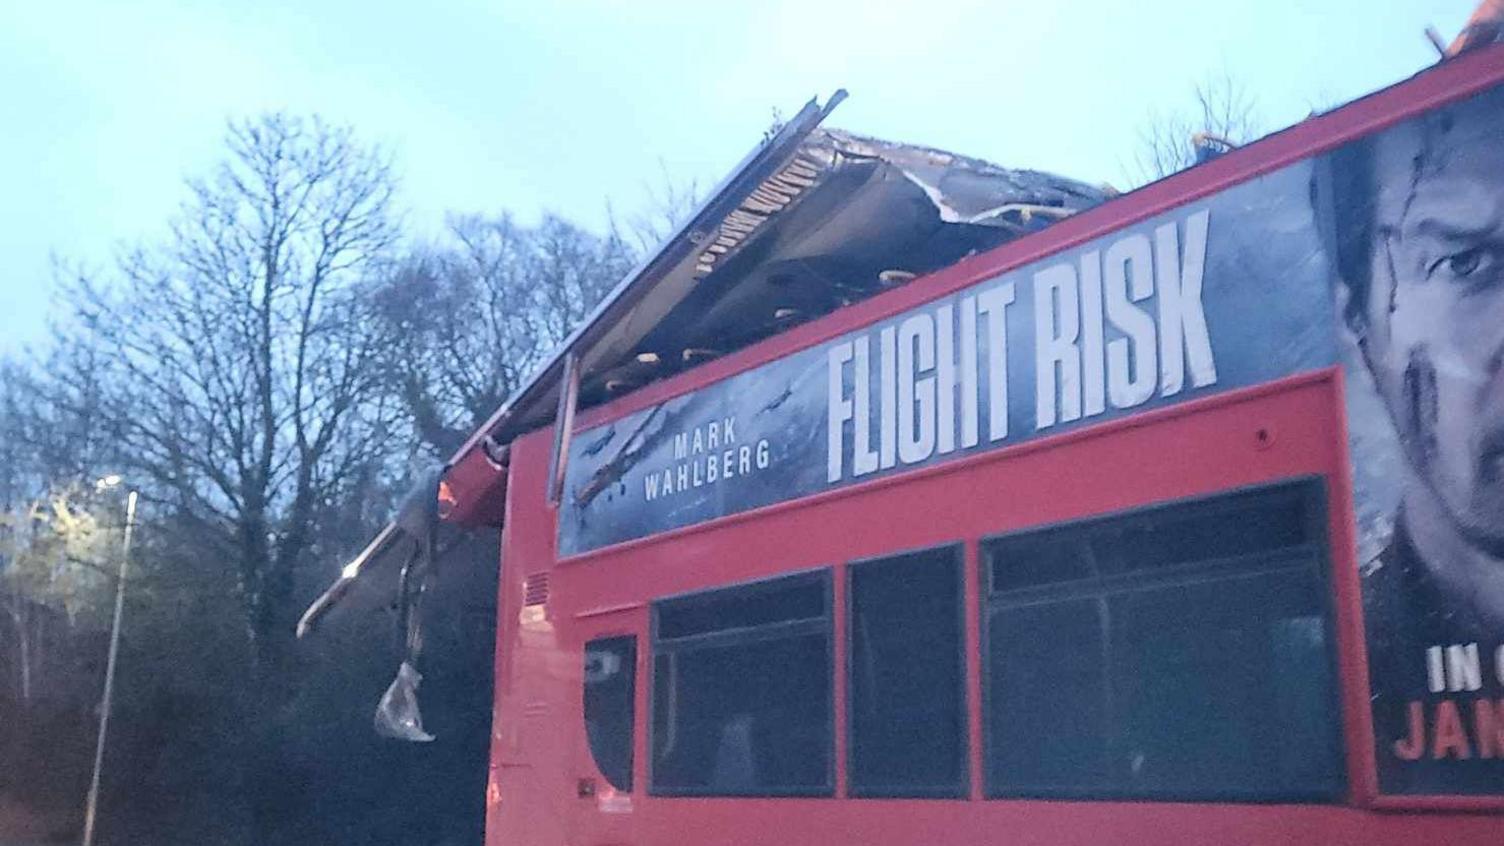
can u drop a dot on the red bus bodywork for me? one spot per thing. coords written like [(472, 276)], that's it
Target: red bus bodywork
[(544, 784)]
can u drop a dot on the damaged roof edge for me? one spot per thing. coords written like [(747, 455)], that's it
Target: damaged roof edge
[(335, 592), (681, 246)]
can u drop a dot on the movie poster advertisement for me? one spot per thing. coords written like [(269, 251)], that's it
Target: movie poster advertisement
[(1385, 256), (1170, 309), (1415, 223)]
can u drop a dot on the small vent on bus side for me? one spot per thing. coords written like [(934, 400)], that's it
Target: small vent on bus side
[(535, 589)]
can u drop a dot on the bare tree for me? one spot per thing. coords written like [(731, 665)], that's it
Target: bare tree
[(469, 318), (1221, 110), (467, 321), (666, 206), (230, 367)]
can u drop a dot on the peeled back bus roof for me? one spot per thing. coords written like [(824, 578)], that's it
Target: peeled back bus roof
[(806, 225), (811, 220)]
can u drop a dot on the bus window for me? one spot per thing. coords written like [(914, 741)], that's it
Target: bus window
[(742, 690), (610, 688), (907, 679), (1188, 656)]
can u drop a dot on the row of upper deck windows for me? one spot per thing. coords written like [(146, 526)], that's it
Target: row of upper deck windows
[(1177, 652)]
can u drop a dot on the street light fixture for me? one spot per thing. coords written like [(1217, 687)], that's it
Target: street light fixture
[(104, 484)]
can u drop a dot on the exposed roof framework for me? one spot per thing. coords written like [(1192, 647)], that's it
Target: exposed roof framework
[(810, 221)]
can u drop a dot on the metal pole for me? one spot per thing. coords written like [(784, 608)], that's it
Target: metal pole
[(109, 671)]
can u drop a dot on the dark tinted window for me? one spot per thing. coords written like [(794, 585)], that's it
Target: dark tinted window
[(741, 691), (906, 718), (610, 686), (1251, 524), (1210, 679), (779, 601), (1047, 710), (1214, 532), (1043, 558)]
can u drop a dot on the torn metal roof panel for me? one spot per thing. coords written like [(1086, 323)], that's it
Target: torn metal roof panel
[(846, 218), (811, 221), (647, 294)]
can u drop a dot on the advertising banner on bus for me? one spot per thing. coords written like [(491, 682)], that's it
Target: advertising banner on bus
[(1213, 296), (1415, 223), (1385, 256)]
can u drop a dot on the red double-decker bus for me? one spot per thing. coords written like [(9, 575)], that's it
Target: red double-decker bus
[(1180, 520)]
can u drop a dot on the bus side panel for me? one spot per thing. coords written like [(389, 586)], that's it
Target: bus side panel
[(1292, 428), (529, 797)]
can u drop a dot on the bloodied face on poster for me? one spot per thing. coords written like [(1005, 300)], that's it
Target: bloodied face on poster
[(1415, 216)]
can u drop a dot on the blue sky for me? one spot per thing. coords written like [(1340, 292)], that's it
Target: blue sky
[(492, 106)]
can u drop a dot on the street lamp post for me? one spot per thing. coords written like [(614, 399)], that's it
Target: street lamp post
[(109, 670)]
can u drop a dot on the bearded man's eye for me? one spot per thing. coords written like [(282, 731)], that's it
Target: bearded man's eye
[(1465, 265)]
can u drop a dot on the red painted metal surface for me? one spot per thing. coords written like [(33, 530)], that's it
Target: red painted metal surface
[(1352, 645), (476, 487), (1195, 448)]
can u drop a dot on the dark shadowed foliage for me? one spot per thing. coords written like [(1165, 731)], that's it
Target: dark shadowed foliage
[(265, 377)]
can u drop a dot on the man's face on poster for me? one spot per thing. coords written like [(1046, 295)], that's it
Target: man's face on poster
[(1434, 318)]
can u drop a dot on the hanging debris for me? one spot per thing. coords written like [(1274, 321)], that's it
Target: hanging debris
[(812, 221)]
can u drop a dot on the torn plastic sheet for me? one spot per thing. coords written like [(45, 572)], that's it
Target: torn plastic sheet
[(397, 715)]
